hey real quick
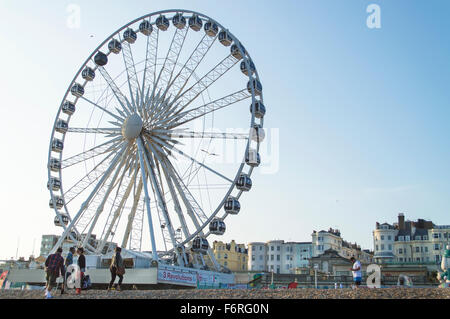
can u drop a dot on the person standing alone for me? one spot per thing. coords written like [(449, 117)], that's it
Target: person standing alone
[(117, 268), (82, 264), (54, 267), (356, 270)]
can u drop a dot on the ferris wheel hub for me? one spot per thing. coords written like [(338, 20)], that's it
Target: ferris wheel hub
[(132, 127)]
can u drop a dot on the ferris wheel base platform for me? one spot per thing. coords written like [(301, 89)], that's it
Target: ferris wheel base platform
[(163, 276)]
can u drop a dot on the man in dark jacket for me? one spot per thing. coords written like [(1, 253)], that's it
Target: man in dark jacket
[(54, 267)]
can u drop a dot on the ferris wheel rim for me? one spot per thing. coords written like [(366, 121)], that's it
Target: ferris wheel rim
[(246, 58)]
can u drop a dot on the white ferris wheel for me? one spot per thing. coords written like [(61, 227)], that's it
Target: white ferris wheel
[(143, 147)]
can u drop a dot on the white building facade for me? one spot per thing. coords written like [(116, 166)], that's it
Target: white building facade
[(278, 256), (419, 242)]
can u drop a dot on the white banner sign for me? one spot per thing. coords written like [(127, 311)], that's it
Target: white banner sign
[(171, 276)]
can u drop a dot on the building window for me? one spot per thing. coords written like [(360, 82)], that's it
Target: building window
[(389, 237), (390, 247), (272, 248), (272, 257), (260, 247), (225, 256), (278, 258), (436, 247), (376, 247), (278, 248), (382, 247), (417, 249), (261, 257), (382, 237), (426, 249)]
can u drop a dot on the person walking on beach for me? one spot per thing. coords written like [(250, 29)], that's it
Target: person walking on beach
[(117, 268), (356, 270), (82, 264), (54, 267), (67, 262)]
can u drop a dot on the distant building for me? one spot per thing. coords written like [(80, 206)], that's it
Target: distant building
[(417, 242), (331, 239), (232, 256), (278, 256), (49, 241)]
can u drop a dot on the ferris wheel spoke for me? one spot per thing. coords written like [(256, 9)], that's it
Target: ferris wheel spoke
[(103, 109), (201, 111), (123, 101), (133, 82), (106, 147), (110, 188), (112, 220), (188, 96), (173, 148), (188, 69), (89, 198), (196, 212), (166, 72), (210, 135), (91, 130), (149, 74), (86, 181), (164, 169)]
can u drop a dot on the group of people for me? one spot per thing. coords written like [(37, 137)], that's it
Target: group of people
[(56, 266)]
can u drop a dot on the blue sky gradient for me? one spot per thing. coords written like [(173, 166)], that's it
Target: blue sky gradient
[(363, 113)]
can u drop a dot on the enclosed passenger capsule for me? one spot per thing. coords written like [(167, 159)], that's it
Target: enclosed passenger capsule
[(77, 90), (57, 145), (130, 36), (225, 38), (179, 21), (244, 67), (88, 74), (68, 108), (54, 183), (260, 109), (55, 164), (252, 158), (232, 206), (61, 126), (195, 23), (162, 23), (211, 28), (146, 27), (58, 202), (235, 51), (101, 59), (114, 46), (244, 183), (65, 220), (256, 84), (258, 134), (200, 245), (217, 227)]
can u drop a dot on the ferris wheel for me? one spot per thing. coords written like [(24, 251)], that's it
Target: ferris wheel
[(156, 139)]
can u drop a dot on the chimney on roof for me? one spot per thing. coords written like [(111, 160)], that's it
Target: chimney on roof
[(401, 221)]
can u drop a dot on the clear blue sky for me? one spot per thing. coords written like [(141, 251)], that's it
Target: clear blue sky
[(363, 113)]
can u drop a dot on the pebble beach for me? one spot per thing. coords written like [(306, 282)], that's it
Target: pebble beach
[(362, 293)]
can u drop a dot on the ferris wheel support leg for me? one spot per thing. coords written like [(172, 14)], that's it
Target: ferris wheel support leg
[(150, 164), (147, 199), (86, 203)]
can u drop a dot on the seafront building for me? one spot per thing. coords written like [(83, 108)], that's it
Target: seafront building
[(231, 255), (278, 256), (410, 242), (332, 239)]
